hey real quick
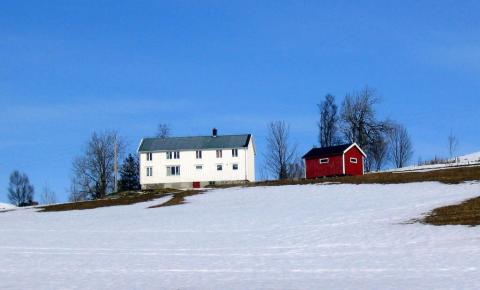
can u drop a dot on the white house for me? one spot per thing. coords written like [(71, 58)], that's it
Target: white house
[(193, 162)]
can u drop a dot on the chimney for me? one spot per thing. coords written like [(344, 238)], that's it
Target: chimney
[(214, 132)]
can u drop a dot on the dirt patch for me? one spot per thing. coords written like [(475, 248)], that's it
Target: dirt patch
[(124, 198), (466, 213), (178, 198)]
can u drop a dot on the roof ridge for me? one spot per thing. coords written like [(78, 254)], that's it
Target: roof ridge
[(206, 136)]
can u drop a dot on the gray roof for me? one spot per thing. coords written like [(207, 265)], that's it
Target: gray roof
[(194, 143)]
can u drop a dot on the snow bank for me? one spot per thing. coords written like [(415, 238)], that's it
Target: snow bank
[(289, 237)]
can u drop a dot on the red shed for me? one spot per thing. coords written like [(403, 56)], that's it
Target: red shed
[(336, 160)]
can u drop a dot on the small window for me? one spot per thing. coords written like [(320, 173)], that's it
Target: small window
[(324, 161), (198, 154), (353, 160), (198, 167), (149, 171), (219, 153), (173, 155), (219, 167), (234, 152), (235, 166), (173, 170), (149, 156)]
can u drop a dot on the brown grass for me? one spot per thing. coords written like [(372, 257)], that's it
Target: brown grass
[(178, 198), (449, 176), (124, 198), (465, 213)]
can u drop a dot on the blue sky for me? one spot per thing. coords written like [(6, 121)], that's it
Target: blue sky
[(71, 67)]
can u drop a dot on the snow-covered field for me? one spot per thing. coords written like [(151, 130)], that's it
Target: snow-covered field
[(289, 237)]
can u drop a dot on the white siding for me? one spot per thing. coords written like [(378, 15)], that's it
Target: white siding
[(209, 161)]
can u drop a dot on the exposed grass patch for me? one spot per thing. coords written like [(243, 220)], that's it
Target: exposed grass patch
[(123, 198), (449, 176), (466, 213), (178, 198)]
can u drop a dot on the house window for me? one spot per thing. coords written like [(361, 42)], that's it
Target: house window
[(198, 154), (353, 160), (198, 167), (219, 153), (235, 166), (173, 170), (324, 161), (173, 155), (149, 171), (149, 156), (219, 167), (234, 152)]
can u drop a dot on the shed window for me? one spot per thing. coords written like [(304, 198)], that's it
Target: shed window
[(324, 161), (353, 160)]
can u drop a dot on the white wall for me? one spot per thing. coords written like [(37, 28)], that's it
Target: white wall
[(188, 161)]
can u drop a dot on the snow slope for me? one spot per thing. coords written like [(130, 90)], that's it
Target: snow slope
[(461, 161), (289, 237), (474, 157), (5, 206)]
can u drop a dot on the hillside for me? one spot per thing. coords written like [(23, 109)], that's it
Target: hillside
[(6, 206), (468, 160), (331, 236)]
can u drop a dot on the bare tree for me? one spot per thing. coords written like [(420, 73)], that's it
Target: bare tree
[(296, 169), (401, 149), (20, 191), (163, 130), (359, 122), (328, 124), (378, 153), (76, 194), (280, 153), (93, 172), (452, 144), (263, 172), (48, 196)]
